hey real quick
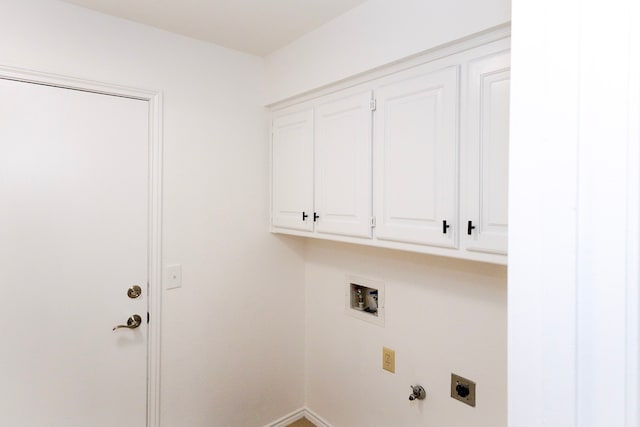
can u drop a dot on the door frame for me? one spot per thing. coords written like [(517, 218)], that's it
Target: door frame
[(154, 263)]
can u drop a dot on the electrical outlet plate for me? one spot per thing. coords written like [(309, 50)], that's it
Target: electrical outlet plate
[(389, 360), (173, 277), (463, 390)]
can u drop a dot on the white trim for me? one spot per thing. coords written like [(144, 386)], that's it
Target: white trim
[(633, 224), (472, 41), (155, 259), (288, 419), (603, 271), (387, 244), (154, 98), (315, 418), (298, 415), (30, 76)]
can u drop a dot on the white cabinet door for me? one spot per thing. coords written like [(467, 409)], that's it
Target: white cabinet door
[(292, 167), (486, 150), (415, 171), (343, 166)]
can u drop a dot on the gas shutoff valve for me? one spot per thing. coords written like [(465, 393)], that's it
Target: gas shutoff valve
[(417, 392)]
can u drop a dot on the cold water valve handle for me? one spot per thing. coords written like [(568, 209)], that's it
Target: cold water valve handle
[(417, 392)]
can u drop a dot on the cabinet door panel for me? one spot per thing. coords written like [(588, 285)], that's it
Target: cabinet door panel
[(415, 159), (343, 166), (293, 170), (487, 150)]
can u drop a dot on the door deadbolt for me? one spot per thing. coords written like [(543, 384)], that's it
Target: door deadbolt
[(134, 292)]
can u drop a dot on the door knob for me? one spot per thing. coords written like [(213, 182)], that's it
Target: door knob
[(132, 322), (134, 292)]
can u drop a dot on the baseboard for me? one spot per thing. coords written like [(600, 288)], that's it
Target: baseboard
[(299, 414), (315, 418), (288, 419)]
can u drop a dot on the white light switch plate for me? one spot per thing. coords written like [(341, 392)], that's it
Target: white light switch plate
[(173, 278)]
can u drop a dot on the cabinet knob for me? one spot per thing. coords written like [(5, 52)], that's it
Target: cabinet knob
[(304, 216), (470, 227), (445, 226), (315, 217)]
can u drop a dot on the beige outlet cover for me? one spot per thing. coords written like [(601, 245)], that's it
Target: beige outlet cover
[(388, 360)]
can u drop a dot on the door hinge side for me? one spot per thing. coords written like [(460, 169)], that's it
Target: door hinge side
[(373, 222), (372, 105)]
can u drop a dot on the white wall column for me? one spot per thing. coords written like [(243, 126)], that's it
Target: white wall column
[(573, 255)]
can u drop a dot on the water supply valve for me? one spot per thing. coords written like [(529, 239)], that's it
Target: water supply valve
[(417, 392)]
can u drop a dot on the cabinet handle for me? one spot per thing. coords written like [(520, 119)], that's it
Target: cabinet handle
[(470, 227), (315, 217), (304, 216), (445, 226)]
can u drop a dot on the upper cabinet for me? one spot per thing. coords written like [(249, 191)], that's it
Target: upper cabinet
[(413, 158), (486, 151), (343, 165), (321, 171), (292, 170), (415, 184)]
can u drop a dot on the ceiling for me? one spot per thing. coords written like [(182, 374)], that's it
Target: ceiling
[(253, 26)]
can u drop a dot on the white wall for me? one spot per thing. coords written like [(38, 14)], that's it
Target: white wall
[(373, 34), (233, 335), (442, 316), (344, 380), (574, 283)]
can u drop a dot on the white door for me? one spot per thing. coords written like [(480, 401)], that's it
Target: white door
[(292, 150), (73, 239), (415, 184), (343, 166), (486, 151)]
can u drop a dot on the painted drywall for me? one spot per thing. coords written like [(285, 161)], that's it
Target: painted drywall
[(373, 34), (442, 316), (232, 339)]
